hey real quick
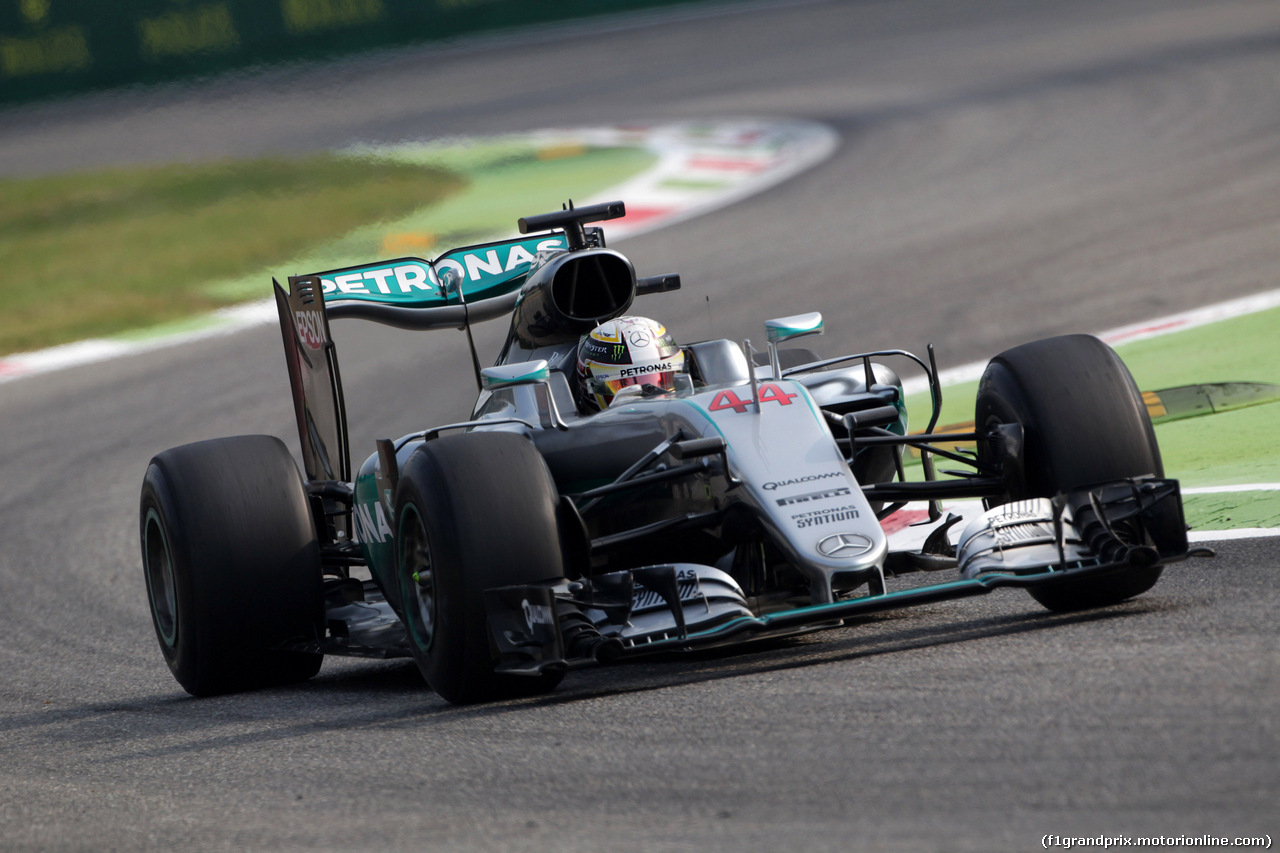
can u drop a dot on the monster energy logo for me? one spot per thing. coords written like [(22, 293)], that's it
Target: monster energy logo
[(619, 350)]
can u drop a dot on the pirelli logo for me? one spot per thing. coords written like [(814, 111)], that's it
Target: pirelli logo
[(814, 496)]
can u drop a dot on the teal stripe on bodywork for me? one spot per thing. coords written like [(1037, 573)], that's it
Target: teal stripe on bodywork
[(697, 407)]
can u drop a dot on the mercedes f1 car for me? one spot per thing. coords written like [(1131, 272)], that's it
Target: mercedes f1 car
[(542, 535)]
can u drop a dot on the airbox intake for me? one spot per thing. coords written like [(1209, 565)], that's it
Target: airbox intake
[(571, 294)]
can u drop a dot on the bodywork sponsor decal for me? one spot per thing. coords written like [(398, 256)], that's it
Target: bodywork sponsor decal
[(817, 517), (771, 486), (815, 496), (399, 280), (484, 271), (310, 326), (371, 523)]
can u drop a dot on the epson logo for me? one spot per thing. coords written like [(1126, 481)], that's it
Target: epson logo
[(841, 492), (310, 329), (769, 487)]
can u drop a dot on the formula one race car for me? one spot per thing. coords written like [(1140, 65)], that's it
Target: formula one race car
[(615, 495)]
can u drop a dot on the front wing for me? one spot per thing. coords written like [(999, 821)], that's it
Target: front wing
[(1081, 537)]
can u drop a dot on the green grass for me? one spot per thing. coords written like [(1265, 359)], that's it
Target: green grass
[(87, 255), (1230, 448), (1239, 446), (113, 252), (1227, 510)]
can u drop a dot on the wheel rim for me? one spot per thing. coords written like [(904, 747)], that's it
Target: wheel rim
[(160, 583), (418, 577)]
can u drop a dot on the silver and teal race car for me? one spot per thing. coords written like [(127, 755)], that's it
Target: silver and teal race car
[(542, 535)]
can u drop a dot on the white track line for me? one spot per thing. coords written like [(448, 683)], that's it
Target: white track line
[(1126, 334), (1247, 487), (1238, 533)]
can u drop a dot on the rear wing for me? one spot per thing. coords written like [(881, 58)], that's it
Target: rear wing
[(467, 285), (461, 287)]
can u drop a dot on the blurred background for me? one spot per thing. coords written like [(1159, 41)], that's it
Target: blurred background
[(54, 47), (1002, 171)]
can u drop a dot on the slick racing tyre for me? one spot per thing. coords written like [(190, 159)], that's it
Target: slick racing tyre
[(1084, 423), (232, 564), (473, 512)]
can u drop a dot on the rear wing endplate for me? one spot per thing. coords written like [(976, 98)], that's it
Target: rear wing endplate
[(314, 379)]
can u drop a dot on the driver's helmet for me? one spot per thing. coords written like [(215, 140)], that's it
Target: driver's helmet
[(624, 352)]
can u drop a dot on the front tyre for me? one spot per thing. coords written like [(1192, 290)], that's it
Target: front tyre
[(232, 564), (473, 512), (1084, 423)]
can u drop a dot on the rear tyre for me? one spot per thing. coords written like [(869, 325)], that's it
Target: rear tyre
[(473, 512), (1084, 423), (232, 564)]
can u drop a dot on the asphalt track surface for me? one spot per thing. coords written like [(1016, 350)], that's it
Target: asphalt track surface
[(1008, 171)]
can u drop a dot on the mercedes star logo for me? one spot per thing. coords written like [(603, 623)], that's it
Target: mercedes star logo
[(844, 545)]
